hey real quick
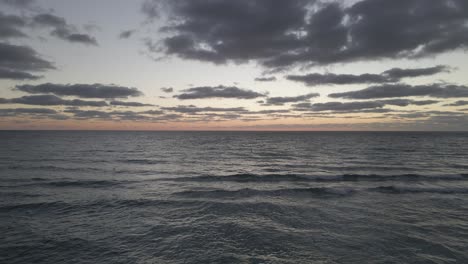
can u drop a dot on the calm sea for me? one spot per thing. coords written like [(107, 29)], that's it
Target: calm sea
[(233, 197)]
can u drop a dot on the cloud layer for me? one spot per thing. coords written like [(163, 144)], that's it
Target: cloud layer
[(81, 90), (389, 76), (404, 90), (291, 99), (20, 62), (280, 33), (48, 100), (217, 92)]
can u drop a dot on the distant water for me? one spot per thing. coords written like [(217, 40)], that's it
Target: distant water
[(232, 197)]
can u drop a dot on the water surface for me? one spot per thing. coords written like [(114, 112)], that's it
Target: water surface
[(233, 197)]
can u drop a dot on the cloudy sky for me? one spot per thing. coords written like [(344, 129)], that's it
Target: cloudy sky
[(234, 65)]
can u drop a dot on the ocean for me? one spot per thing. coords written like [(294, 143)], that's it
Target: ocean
[(233, 197)]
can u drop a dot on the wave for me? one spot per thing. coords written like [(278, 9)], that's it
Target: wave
[(69, 183), (143, 161), (133, 204), (321, 192), (245, 193), (87, 184), (246, 178), (51, 168), (408, 190), (43, 206)]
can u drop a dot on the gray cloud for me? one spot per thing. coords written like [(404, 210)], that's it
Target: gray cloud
[(217, 92), (190, 109), (266, 79), (389, 76), (81, 90), (17, 75), (167, 89), (339, 106), (330, 78), (153, 112), (268, 112), (17, 62), (398, 74), (62, 30), (21, 58), (403, 90), (360, 106), (406, 102), (10, 26), (292, 99), (285, 33), (458, 103), (126, 34), (51, 100), (148, 116), (34, 112), (131, 104)]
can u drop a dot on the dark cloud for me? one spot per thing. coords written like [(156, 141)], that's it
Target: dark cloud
[(425, 102), (190, 109), (398, 74), (167, 89), (403, 90), (62, 30), (148, 116), (17, 75), (51, 100), (293, 99), (268, 112), (389, 76), (339, 106), (17, 62), (81, 90), (406, 102), (131, 104), (14, 112), (330, 78), (126, 34), (266, 79), (10, 26), (458, 103), (217, 92), (50, 20), (222, 30), (153, 112), (360, 106), (280, 33), (21, 58)]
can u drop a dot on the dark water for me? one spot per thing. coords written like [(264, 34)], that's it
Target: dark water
[(187, 197)]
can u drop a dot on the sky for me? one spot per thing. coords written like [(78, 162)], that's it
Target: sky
[(234, 65)]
